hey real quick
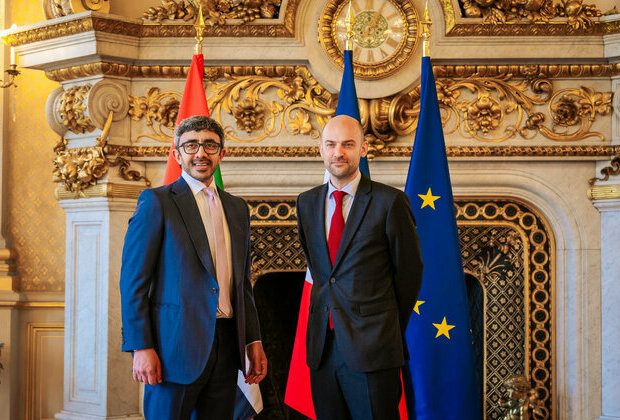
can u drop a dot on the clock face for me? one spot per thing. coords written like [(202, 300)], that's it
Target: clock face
[(383, 34)]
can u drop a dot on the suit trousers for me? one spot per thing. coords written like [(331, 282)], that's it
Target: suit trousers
[(212, 395), (339, 393)]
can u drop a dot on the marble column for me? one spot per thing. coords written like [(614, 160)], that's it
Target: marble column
[(606, 198), (97, 380)]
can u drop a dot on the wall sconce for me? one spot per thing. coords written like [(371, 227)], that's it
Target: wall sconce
[(12, 71)]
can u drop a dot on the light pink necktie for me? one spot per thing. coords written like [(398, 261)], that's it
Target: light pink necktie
[(221, 254)]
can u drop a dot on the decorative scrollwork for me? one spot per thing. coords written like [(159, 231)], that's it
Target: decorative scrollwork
[(489, 105), (612, 170), (578, 15), (485, 115), (72, 109), (80, 168), (217, 12), (160, 109), (300, 97)]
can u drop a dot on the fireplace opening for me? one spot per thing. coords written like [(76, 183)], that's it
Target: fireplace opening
[(277, 297)]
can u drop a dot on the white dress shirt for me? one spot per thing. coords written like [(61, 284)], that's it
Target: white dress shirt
[(197, 188), (347, 201)]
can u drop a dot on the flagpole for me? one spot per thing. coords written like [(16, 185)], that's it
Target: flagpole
[(426, 23)]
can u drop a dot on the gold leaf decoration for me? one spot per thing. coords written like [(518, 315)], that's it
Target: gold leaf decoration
[(578, 15), (489, 104), (72, 109), (217, 12)]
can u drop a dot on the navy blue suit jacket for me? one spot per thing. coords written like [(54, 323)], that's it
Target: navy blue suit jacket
[(169, 293), (374, 283)]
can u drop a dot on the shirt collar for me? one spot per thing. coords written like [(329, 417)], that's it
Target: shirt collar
[(350, 188), (195, 185)]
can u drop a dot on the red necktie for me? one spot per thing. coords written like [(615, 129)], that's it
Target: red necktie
[(335, 234)]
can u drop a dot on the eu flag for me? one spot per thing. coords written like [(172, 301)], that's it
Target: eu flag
[(441, 381)]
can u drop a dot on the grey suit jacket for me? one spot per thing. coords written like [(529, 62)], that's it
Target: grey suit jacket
[(373, 286)]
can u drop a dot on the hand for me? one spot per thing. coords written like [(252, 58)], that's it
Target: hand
[(146, 367), (258, 363)]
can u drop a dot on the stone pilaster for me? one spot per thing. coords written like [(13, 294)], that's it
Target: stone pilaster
[(97, 380)]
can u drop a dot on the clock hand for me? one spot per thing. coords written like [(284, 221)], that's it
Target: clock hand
[(374, 20)]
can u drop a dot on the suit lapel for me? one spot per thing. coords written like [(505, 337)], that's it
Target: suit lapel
[(234, 215), (188, 208), (317, 210), (356, 215)]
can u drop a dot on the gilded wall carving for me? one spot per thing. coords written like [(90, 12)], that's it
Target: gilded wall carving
[(524, 18), (505, 245), (217, 12), (492, 107), (72, 109)]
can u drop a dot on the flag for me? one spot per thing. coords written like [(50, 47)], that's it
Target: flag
[(441, 380), (194, 102), (298, 394)]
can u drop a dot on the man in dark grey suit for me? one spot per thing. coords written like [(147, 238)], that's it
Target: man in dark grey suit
[(187, 303), (363, 253)]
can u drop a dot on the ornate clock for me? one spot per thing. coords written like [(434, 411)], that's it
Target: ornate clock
[(385, 34)]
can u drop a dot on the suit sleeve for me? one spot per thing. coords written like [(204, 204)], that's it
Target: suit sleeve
[(406, 258), (252, 325), (140, 255)]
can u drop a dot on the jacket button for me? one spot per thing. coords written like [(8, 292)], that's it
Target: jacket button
[(332, 280), (214, 291)]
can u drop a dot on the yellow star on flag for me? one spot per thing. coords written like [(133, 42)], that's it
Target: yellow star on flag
[(416, 308), (428, 199), (443, 328)]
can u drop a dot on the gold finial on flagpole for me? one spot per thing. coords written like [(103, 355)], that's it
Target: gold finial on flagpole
[(426, 23), (200, 27), (349, 21)]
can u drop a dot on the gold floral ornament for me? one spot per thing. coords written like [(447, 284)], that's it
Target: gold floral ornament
[(72, 109), (479, 107), (301, 101), (160, 109), (579, 15), (220, 12), (82, 167)]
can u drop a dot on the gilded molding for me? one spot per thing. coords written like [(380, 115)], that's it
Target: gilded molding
[(388, 151), (99, 22), (531, 18), (490, 105), (604, 192), (109, 190), (441, 71), (218, 12)]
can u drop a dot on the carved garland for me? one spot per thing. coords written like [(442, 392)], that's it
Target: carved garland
[(218, 12), (485, 108)]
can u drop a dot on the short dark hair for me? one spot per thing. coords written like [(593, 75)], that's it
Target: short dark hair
[(198, 123)]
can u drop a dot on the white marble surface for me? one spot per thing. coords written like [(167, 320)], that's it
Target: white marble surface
[(610, 296), (98, 382)]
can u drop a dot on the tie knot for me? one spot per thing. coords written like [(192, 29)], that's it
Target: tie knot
[(338, 196), (210, 191)]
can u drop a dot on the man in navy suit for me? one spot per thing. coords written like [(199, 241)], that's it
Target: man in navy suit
[(363, 253), (187, 303)]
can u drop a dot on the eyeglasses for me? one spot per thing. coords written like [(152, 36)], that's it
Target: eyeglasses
[(192, 147)]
